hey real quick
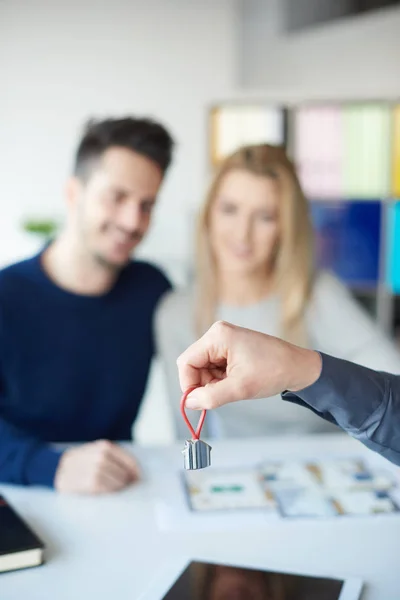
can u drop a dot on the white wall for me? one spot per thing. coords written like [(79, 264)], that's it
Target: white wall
[(355, 57), (61, 62)]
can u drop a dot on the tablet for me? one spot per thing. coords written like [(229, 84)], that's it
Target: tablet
[(210, 581)]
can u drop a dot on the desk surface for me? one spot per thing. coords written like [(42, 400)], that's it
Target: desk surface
[(110, 547)]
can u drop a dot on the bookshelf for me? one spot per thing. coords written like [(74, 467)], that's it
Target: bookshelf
[(348, 158)]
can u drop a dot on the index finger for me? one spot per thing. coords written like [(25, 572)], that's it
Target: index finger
[(189, 365), (196, 364)]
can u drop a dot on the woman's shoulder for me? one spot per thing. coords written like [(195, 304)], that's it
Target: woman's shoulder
[(327, 286), (176, 300), (176, 306), (332, 301), (333, 307)]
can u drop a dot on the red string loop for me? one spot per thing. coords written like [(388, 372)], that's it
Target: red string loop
[(195, 434)]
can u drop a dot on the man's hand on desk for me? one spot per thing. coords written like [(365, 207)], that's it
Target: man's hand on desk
[(95, 468)]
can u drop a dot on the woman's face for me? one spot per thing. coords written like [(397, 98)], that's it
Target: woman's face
[(244, 223)]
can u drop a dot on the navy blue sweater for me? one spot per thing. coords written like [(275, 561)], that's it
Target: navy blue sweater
[(72, 368)]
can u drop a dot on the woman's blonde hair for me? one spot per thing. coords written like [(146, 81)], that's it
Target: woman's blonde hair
[(293, 264)]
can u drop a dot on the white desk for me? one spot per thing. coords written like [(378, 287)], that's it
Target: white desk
[(110, 548)]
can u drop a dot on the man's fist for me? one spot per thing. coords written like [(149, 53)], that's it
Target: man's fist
[(230, 363), (95, 468)]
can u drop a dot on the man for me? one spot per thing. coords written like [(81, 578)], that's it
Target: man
[(230, 363), (76, 320)]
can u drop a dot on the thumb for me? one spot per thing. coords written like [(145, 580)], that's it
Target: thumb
[(213, 395)]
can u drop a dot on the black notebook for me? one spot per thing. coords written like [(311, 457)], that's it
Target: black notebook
[(20, 548)]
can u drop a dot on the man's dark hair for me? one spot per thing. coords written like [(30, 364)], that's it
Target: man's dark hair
[(144, 136)]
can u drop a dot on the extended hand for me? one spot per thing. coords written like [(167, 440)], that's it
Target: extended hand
[(230, 363)]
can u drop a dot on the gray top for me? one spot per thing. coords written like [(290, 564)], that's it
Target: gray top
[(363, 402), (336, 324)]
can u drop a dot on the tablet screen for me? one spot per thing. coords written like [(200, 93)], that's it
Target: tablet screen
[(203, 581)]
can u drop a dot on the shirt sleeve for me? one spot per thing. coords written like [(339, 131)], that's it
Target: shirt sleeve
[(363, 402), (24, 460)]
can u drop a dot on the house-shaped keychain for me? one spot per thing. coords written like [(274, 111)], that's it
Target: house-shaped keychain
[(196, 453)]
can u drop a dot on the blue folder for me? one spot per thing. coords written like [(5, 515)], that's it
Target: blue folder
[(348, 240), (393, 248)]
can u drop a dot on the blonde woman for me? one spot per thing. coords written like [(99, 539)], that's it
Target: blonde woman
[(255, 269)]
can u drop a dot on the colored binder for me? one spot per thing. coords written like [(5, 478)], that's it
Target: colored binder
[(396, 152), (393, 248), (367, 152), (236, 125), (348, 239), (318, 150)]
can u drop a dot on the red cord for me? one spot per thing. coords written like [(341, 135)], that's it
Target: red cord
[(195, 434)]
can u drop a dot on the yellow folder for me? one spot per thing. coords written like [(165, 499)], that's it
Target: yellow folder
[(396, 152)]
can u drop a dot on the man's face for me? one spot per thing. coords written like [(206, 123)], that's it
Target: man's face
[(112, 209)]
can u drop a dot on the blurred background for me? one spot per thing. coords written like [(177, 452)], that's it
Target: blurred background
[(320, 76)]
